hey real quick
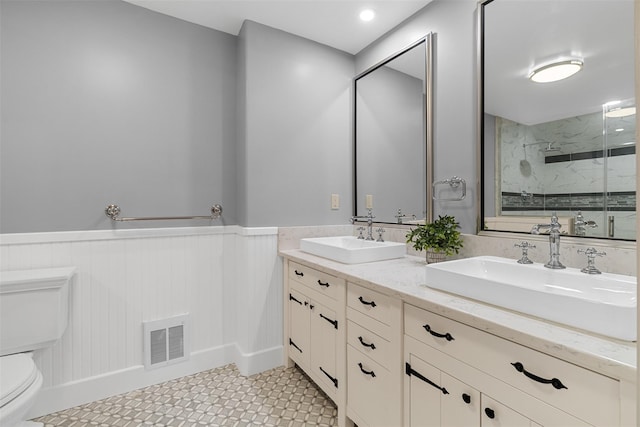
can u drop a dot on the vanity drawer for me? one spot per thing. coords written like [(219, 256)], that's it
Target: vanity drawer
[(368, 391), (369, 343), (371, 303), (316, 280), (587, 395)]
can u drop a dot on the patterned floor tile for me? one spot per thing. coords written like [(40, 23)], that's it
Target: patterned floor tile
[(219, 397)]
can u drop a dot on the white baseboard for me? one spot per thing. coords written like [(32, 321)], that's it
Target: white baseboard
[(87, 390), (260, 361)]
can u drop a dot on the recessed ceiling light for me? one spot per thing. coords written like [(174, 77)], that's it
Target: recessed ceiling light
[(621, 112), (620, 130), (556, 71), (367, 15)]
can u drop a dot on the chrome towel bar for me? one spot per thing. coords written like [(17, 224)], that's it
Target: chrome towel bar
[(113, 212), (454, 182)]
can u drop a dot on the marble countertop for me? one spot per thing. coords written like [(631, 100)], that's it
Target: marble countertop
[(406, 278)]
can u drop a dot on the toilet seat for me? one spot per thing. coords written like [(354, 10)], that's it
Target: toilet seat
[(17, 373)]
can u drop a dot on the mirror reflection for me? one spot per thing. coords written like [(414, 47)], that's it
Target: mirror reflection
[(565, 146), (390, 138)]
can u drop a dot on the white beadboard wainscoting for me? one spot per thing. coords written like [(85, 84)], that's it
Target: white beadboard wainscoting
[(228, 278)]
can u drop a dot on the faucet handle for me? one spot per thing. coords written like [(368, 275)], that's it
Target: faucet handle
[(591, 253), (380, 231), (525, 246), (360, 230)]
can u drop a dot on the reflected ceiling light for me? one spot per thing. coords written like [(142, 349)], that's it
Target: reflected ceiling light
[(620, 130), (367, 15), (556, 71), (621, 112)]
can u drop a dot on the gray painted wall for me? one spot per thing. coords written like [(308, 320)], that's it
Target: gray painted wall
[(296, 142), (455, 144), (105, 102)]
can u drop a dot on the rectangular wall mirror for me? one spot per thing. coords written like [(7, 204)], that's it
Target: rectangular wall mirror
[(566, 146), (393, 137)]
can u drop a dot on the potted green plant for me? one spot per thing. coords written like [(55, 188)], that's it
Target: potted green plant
[(439, 238)]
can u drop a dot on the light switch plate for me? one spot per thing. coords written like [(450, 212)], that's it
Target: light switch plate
[(335, 201)]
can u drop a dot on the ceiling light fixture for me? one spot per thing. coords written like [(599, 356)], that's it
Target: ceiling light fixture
[(621, 112), (367, 15), (556, 71)]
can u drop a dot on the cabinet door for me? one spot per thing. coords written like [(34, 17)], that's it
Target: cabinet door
[(299, 327), (424, 398), (438, 399), (324, 332), (495, 414), (461, 407)]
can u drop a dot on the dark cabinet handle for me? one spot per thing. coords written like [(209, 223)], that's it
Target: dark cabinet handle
[(372, 346), (410, 371), (447, 336), (333, 322), (466, 398), (299, 273), (373, 374), (326, 285), (556, 383), (294, 344), (371, 303), (292, 298), (333, 380), (490, 413)]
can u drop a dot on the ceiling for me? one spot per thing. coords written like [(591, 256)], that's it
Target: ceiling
[(334, 23), (520, 35)]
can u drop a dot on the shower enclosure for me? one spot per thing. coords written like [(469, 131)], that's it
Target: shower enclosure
[(581, 167)]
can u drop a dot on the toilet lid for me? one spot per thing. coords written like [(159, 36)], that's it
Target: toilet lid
[(17, 373)]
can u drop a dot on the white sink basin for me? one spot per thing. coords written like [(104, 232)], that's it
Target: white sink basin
[(603, 303), (350, 250)]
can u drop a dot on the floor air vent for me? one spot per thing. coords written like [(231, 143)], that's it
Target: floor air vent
[(166, 341)]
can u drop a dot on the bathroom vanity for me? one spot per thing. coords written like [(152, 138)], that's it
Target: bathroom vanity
[(391, 351)]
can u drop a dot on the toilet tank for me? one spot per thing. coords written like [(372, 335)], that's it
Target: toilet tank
[(34, 308)]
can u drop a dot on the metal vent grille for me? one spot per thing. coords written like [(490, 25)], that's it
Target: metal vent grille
[(166, 341)]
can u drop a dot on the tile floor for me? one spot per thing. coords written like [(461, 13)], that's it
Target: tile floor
[(219, 397)]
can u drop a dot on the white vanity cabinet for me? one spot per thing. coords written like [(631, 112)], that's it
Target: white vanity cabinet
[(374, 357), (468, 377), (315, 328)]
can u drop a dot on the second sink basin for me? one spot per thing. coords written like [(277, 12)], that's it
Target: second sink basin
[(603, 303), (350, 250)]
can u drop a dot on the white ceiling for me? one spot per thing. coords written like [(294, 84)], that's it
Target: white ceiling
[(334, 23), (598, 31)]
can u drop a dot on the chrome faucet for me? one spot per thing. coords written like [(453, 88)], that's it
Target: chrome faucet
[(369, 219), (400, 216), (554, 241), (581, 225)]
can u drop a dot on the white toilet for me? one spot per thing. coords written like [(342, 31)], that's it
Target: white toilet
[(34, 307)]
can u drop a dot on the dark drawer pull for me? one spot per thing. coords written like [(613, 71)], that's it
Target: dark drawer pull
[(490, 413), (299, 273), (292, 298), (466, 398), (294, 344), (326, 285), (333, 380), (333, 322), (556, 383), (410, 371), (373, 374), (371, 303), (372, 346), (447, 336)]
